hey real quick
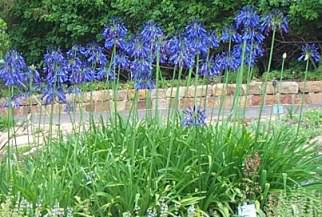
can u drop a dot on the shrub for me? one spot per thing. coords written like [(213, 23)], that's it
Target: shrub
[(4, 39), (63, 23)]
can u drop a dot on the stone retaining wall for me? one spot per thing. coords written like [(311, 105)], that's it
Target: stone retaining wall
[(287, 92)]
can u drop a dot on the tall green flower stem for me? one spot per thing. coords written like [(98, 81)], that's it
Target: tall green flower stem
[(148, 103), (188, 81), (277, 93), (116, 83), (264, 89), (29, 121), (205, 78), (281, 79), (177, 106), (171, 92), (249, 78), (81, 113), (9, 120), (133, 113), (303, 93), (222, 96), (12, 121), (196, 80), (157, 77), (236, 100)]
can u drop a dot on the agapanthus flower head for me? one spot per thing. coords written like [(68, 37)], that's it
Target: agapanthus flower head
[(229, 61), (75, 64), (51, 94), (230, 34), (94, 54), (33, 76), (151, 33), (138, 48), (141, 73), (310, 51), (141, 69), (115, 34), (210, 68), (180, 51), (195, 29), (194, 117), (55, 68), (198, 37), (14, 70), (275, 20), (252, 51), (163, 52), (121, 61), (247, 17), (213, 40), (144, 85), (253, 34)]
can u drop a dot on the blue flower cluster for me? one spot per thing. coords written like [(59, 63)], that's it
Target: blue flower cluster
[(194, 117), (310, 52), (138, 54)]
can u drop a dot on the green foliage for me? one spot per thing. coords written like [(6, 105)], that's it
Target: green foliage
[(4, 123), (4, 38), (130, 168), (297, 203), (292, 74), (38, 24)]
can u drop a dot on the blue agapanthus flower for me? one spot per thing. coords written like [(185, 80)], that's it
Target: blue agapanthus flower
[(194, 117), (144, 84), (138, 48), (55, 68), (141, 73), (151, 33), (253, 34), (213, 40), (230, 34), (229, 61), (33, 76), (50, 94), (275, 20), (252, 52), (57, 74), (310, 51), (141, 69), (14, 70), (210, 68), (94, 54), (198, 38), (115, 34), (76, 65), (181, 53), (247, 17)]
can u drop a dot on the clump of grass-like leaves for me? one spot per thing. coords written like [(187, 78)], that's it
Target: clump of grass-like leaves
[(136, 168)]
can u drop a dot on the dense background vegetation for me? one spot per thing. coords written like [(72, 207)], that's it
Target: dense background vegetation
[(36, 24)]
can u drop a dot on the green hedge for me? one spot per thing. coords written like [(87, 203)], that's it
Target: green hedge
[(4, 38), (36, 24)]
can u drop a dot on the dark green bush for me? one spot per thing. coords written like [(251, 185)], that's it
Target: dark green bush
[(36, 24), (4, 38)]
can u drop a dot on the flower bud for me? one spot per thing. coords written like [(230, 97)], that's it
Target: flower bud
[(284, 55), (307, 56)]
